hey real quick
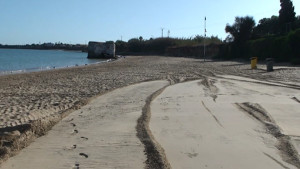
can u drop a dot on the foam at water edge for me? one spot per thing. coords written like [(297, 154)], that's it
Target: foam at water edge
[(48, 68)]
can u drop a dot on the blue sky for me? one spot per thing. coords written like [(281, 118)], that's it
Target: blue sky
[(80, 21)]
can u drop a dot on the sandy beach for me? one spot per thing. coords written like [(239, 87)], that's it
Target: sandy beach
[(32, 103), (223, 123), (101, 134)]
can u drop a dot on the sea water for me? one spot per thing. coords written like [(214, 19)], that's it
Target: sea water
[(27, 60)]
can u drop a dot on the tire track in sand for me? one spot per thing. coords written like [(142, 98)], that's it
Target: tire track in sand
[(296, 99), (156, 157), (216, 119), (209, 88), (286, 148)]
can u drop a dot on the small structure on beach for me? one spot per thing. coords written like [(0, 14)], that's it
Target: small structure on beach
[(101, 50)]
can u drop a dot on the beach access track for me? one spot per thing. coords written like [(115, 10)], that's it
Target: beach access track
[(218, 120), (101, 134)]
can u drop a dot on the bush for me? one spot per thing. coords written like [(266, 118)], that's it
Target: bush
[(121, 46), (283, 48), (134, 45), (270, 47), (159, 45), (294, 42)]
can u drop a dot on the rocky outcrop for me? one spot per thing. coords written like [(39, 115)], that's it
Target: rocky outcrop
[(100, 50)]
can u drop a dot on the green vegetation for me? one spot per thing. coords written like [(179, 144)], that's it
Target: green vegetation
[(266, 27), (277, 37), (48, 46), (140, 46), (281, 48), (242, 29), (287, 15)]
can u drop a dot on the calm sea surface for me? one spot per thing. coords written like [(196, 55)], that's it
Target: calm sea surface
[(26, 60)]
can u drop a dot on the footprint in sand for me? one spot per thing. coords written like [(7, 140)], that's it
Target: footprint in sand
[(84, 155), (75, 131), (76, 166), (71, 148), (192, 155), (84, 138), (73, 124)]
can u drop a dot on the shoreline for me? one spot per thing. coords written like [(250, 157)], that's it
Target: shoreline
[(41, 99), (3, 73), (47, 49), (37, 68)]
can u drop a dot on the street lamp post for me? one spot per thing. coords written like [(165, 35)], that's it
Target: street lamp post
[(204, 38)]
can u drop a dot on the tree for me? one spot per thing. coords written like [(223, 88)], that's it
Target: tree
[(287, 15), (242, 29), (134, 45), (121, 46), (267, 26), (141, 38), (198, 38), (298, 22), (215, 39)]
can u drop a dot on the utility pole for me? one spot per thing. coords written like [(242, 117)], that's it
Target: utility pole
[(204, 37), (168, 33), (162, 32)]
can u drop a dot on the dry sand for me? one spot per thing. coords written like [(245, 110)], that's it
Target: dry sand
[(101, 134), (31, 103), (222, 123), (32, 96)]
